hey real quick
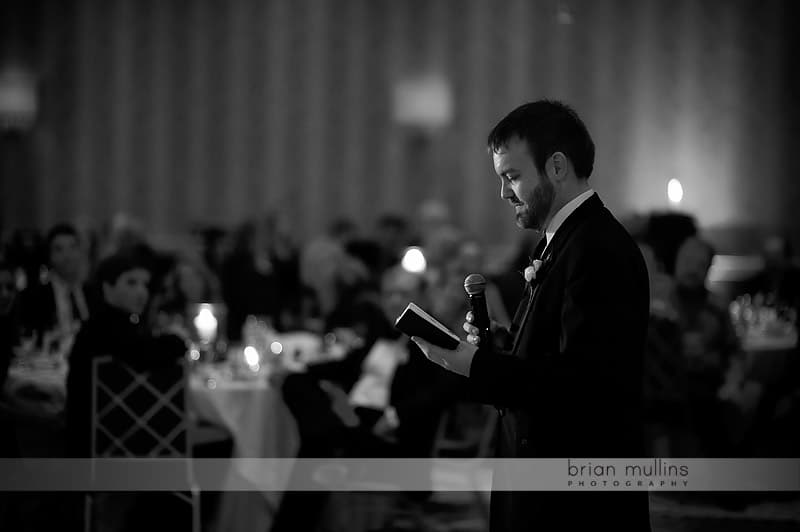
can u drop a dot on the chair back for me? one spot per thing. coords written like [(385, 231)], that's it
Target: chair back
[(139, 413)]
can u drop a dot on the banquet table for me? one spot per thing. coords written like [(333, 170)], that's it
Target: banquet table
[(767, 355), (253, 412), (32, 400), (750, 379)]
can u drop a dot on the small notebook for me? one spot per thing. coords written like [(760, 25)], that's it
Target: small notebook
[(416, 322)]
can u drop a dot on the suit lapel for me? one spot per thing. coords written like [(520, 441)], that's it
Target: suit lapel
[(522, 307)]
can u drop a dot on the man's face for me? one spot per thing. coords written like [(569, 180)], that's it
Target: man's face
[(521, 184), (130, 291), (65, 257)]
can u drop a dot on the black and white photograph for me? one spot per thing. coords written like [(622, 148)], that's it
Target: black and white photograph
[(399, 265)]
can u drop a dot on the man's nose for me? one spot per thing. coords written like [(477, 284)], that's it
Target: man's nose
[(505, 191)]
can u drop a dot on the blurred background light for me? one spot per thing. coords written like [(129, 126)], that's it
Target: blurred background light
[(675, 192), (414, 260)]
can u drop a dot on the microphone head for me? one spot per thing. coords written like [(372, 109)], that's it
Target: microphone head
[(474, 284)]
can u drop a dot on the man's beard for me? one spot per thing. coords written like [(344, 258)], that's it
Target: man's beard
[(535, 208)]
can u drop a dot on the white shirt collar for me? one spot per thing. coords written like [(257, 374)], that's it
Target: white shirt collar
[(564, 212)]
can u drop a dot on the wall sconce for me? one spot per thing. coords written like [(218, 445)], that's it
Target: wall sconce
[(423, 101), (18, 101), (674, 192)]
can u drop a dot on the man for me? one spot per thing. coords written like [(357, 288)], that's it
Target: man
[(54, 309), (382, 400), (569, 383)]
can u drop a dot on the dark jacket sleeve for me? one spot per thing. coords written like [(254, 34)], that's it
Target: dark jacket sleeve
[(343, 372)]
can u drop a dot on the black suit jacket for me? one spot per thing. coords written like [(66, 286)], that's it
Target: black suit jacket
[(570, 383), (37, 307)]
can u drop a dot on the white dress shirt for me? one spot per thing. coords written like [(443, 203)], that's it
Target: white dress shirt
[(377, 372)]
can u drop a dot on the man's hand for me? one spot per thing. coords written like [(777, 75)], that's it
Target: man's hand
[(472, 331), (457, 360)]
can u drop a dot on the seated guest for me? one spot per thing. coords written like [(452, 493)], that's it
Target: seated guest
[(334, 279), (709, 341), (186, 283), (382, 400), (259, 275), (53, 309), (115, 329)]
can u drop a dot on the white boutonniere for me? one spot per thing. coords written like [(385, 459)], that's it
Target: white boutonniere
[(530, 271)]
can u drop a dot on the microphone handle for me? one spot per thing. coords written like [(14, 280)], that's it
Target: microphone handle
[(480, 320)]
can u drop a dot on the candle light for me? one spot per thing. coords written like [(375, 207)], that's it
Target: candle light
[(206, 324), (251, 356)]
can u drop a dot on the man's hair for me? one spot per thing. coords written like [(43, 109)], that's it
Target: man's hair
[(547, 127), (60, 230), (113, 266)]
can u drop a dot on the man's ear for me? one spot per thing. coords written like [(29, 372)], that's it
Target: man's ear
[(559, 165)]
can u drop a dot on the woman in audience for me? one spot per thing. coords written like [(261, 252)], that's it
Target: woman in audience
[(187, 282), (117, 329), (260, 276)]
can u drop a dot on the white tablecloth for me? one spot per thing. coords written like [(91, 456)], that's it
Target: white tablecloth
[(262, 427), (36, 389)]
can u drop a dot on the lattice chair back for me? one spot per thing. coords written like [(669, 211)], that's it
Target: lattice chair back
[(139, 413)]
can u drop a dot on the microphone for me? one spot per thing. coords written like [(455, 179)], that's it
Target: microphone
[(475, 286)]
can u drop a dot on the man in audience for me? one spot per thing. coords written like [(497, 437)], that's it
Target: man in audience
[(53, 309), (382, 400), (709, 342), (118, 330)]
